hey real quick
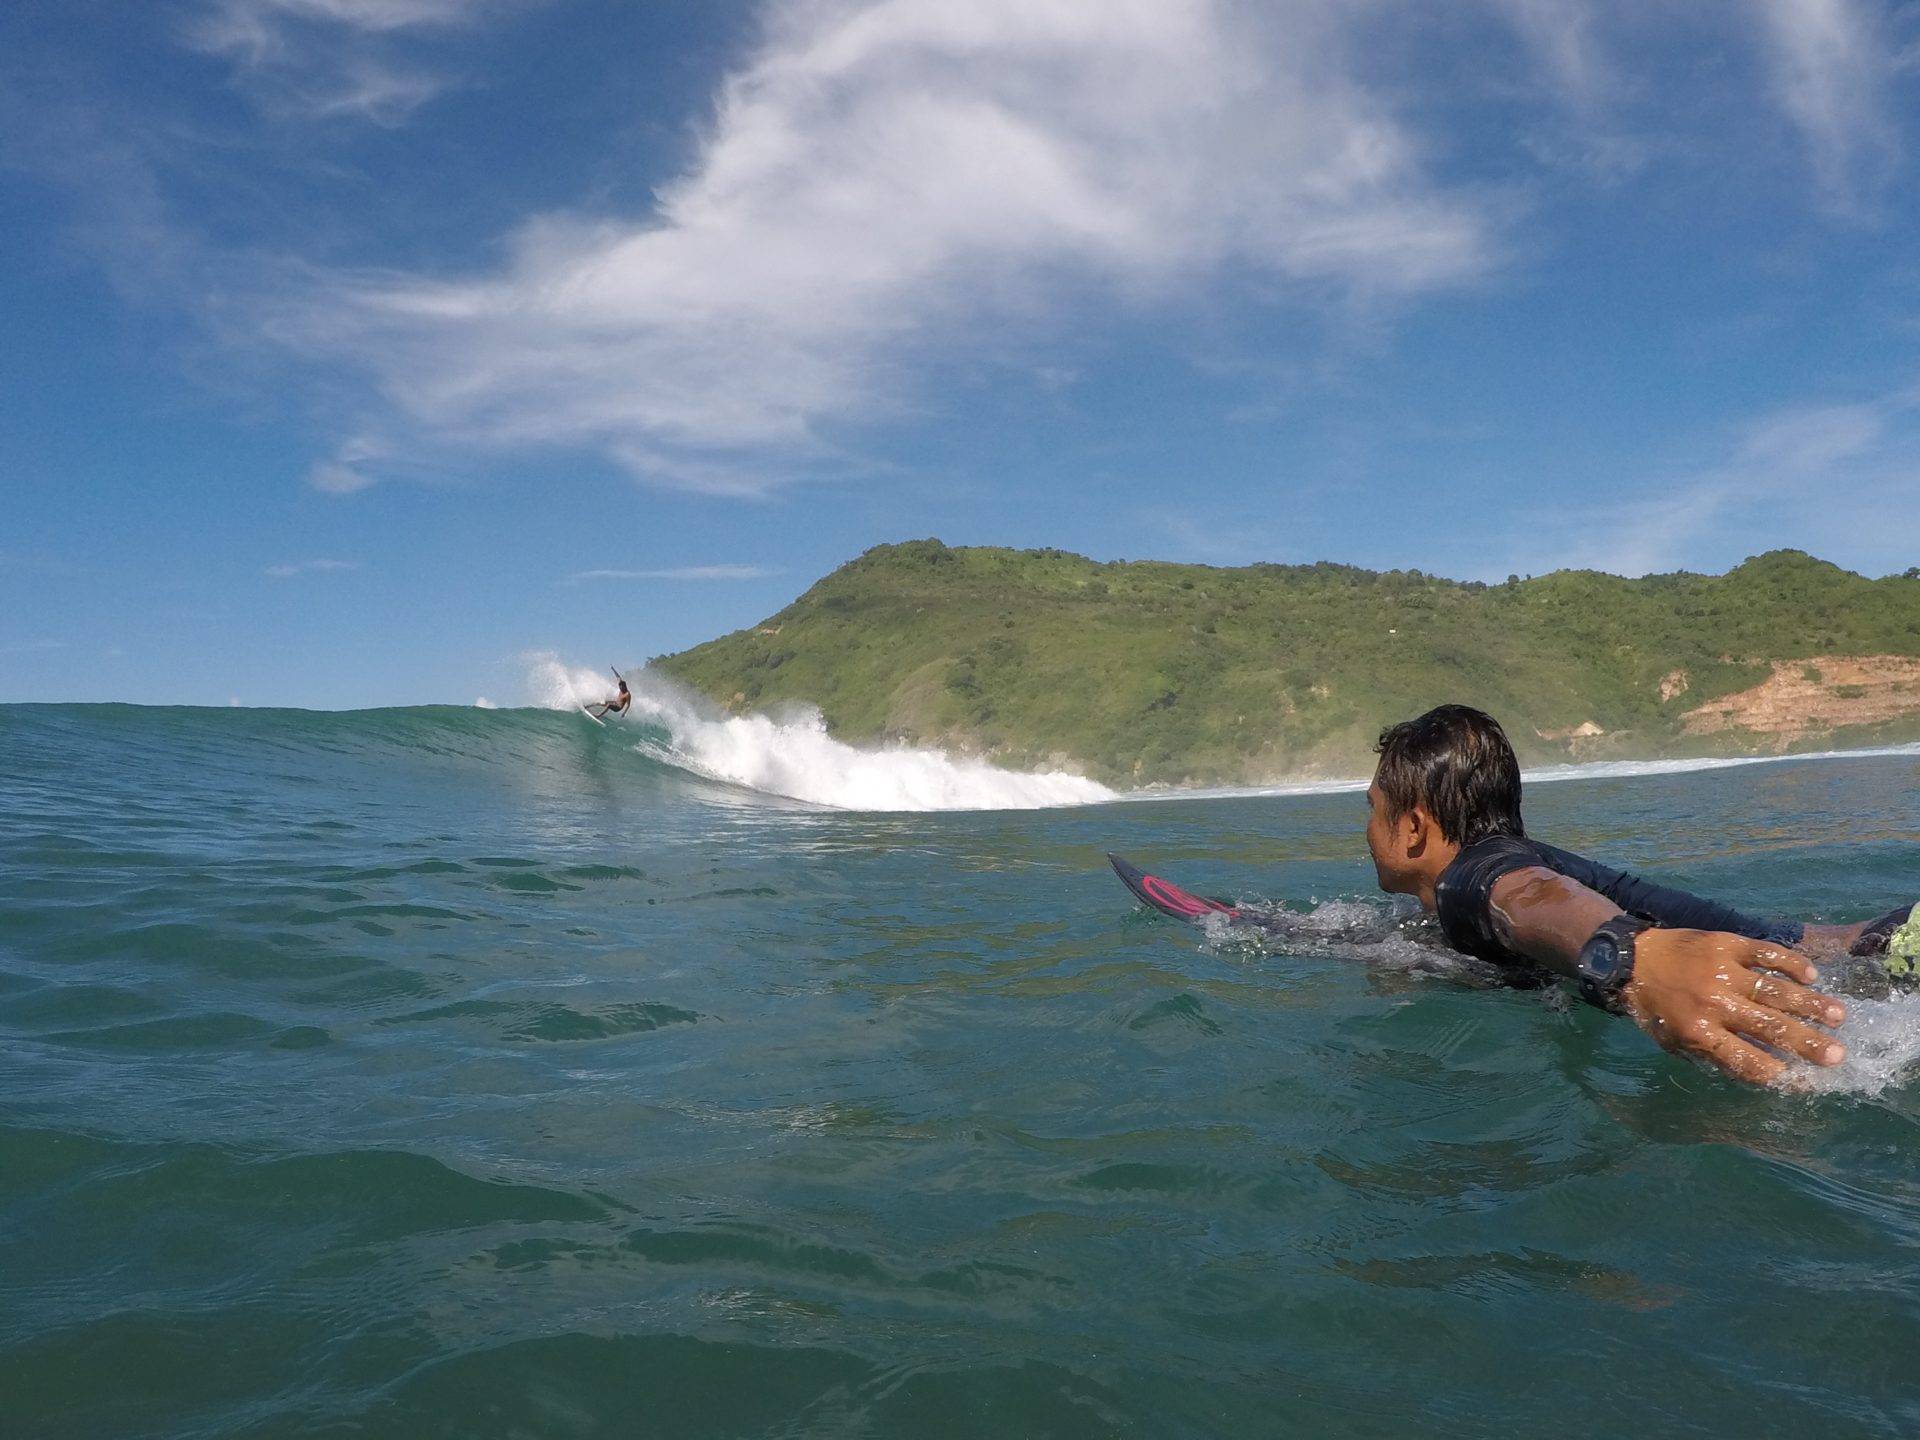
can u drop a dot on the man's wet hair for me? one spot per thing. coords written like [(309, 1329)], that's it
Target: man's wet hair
[(1455, 761)]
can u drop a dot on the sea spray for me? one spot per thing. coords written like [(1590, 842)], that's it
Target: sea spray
[(1883, 1046), (792, 754)]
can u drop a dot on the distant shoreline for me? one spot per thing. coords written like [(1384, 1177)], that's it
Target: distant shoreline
[(1543, 775), (1194, 677)]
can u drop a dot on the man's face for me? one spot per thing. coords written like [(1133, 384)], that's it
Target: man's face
[(1385, 842)]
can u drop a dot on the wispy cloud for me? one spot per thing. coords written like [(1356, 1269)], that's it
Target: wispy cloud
[(683, 572), (346, 471), (889, 187), (1833, 63), (331, 58), (1806, 442), (308, 567), (1835, 478), (1561, 36), (886, 182)]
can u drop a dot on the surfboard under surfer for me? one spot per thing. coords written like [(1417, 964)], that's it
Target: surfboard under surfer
[(600, 709), (1443, 825)]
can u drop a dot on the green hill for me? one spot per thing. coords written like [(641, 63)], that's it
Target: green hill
[(1144, 672)]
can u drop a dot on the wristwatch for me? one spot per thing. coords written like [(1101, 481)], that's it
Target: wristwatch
[(1606, 961)]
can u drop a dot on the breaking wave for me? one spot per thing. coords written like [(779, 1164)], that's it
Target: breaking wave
[(792, 755)]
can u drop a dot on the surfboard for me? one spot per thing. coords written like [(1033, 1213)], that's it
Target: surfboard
[(1168, 898), (593, 717), (1276, 925)]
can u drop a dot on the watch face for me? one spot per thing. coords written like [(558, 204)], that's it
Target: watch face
[(1602, 958)]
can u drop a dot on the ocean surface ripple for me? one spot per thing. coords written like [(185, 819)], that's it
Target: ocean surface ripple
[(450, 1072)]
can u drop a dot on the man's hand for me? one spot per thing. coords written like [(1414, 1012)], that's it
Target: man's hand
[(1712, 995)]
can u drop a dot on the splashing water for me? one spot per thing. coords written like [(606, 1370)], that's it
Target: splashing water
[(1882, 1031), (1883, 1046), (1390, 934), (794, 756)]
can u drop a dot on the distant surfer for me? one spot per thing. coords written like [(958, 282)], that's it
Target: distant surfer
[(600, 709), (1443, 825)]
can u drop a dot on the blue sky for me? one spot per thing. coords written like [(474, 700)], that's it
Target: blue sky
[(361, 347)]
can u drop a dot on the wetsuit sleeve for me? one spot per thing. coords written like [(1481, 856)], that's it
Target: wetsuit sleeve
[(1463, 899), (1663, 905)]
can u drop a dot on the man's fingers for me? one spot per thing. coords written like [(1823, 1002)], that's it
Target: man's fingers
[(1791, 999), (1815, 1046), (1741, 1060), (1787, 962)]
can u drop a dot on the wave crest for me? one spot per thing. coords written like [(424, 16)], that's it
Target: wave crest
[(793, 756)]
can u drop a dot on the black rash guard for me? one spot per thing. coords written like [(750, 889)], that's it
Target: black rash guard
[(1464, 899)]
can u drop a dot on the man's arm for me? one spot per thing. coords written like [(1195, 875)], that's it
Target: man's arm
[(1699, 992)]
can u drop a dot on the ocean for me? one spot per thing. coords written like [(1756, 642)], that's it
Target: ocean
[(468, 1072)]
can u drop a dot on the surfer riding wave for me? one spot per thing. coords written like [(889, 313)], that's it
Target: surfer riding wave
[(618, 705)]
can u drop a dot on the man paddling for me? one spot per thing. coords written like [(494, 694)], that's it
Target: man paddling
[(616, 706), (1443, 825)]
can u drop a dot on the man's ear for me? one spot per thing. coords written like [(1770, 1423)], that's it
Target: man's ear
[(1419, 829)]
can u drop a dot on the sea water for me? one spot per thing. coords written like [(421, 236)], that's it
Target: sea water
[(454, 1072)]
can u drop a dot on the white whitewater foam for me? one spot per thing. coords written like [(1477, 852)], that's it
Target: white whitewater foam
[(1883, 1049), (1614, 769), (1882, 1035), (1546, 775), (1388, 934), (794, 757)]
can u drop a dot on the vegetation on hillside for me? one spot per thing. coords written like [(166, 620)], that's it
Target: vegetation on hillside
[(1143, 672)]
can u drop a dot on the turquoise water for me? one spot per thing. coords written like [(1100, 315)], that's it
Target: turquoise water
[(453, 1073)]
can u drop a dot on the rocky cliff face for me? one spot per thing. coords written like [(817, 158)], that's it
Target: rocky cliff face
[(1803, 700)]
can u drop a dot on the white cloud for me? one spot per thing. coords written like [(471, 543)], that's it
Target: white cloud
[(1645, 535), (334, 477), (1840, 480), (1811, 440), (684, 572), (886, 186), (308, 567), (1560, 36), (1832, 64), (330, 58), (346, 471), (887, 180)]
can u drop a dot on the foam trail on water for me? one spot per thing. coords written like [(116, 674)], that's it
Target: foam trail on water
[(1389, 934), (1616, 769), (1544, 775), (793, 756)]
